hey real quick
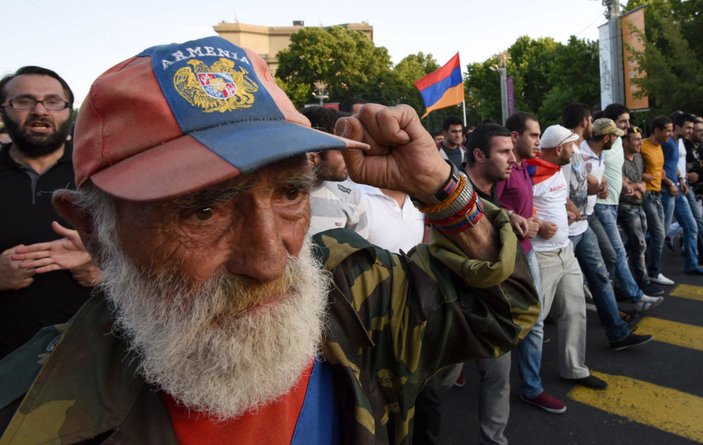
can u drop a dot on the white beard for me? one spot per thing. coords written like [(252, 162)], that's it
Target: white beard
[(205, 345)]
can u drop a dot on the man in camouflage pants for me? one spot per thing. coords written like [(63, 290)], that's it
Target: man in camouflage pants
[(219, 322)]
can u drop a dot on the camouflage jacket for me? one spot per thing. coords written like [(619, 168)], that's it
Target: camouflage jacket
[(394, 321)]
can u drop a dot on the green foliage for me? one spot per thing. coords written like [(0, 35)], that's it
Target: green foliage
[(347, 61), (673, 54), (547, 75)]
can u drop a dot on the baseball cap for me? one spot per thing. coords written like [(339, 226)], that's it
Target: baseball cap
[(181, 117), (556, 135), (604, 126)]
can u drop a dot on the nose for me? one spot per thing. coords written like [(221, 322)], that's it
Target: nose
[(38, 110), (259, 251)]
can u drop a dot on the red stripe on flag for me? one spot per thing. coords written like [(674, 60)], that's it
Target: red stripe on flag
[(438, 75)]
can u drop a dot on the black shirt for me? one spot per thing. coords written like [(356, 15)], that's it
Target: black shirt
[(26, 213)]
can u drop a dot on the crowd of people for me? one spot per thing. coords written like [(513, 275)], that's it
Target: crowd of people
[(199, 260)]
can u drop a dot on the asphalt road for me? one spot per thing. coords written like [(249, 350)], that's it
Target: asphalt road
[(655, 393)]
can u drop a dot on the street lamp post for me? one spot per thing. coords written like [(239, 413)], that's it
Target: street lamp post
[(320, 92)]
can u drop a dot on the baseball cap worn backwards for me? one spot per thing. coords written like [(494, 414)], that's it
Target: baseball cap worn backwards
[(604, 126), (181, 117)]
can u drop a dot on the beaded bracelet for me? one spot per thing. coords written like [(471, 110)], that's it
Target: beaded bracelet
[(460, 209)]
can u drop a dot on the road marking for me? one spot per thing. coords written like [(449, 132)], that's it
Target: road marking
[(663, 408), (688, 291), (672, 332)]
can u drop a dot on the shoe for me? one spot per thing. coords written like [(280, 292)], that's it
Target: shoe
[(591, 381), (696, 271), (629, 341), (460, 380), (669, 243), (661, 279), (547, 402), (632, 321), (647, 303), (652, 290)]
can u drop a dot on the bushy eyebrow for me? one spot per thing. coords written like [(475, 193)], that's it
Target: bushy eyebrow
[(229, 191)]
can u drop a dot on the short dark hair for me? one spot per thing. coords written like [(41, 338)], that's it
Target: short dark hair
[(348, 104), (573, 113), (452, 120), (322, 118), (680, 119), (614, 110), (481, 139), (517, 121), (660, 122), (37, 70)]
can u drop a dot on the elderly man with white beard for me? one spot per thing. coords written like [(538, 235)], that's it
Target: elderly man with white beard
[(219, 321)]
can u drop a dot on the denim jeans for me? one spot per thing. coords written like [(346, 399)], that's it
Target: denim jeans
[(682, 212), (697, 215), (633, 221), (609, 256), (529, 351), (593, 267), (608, 217), (652, 205)]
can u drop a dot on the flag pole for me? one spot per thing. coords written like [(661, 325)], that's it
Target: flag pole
[(463, 106)]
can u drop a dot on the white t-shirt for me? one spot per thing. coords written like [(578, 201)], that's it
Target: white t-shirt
[(595, 166), (550, 205), (682, 159), (391, 227)]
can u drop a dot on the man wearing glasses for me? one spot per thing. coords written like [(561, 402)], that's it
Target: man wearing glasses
[(35, 106)]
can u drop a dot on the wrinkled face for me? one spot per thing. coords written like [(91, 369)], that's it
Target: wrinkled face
[(218, 292), (663, 135), (332, 166), (36, 132), (632, 143), (453, 136), (247, 227), (623, 121), (527, 143), (697, 136), (499, 164)]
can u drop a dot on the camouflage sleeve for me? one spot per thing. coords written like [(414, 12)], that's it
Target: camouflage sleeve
[(398, 319)]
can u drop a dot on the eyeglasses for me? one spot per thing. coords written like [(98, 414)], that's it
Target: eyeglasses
[(29, 102)]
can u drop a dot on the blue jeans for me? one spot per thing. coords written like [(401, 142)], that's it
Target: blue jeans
[(608, 217), (529, 351), (633, 221), (593, 267), (697, 215), (682, 212), (652, 205)]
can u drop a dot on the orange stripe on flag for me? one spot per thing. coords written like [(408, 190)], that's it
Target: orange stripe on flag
[(453, 96)]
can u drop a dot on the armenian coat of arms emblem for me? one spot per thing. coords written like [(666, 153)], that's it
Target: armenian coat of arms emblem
[(218, 87)]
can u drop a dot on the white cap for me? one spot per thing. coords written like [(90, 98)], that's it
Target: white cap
[(556, 135)]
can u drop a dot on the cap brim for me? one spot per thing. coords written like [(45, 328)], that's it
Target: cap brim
[(208, 157)]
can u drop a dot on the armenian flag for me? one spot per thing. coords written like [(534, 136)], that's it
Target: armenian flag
[(442, 88)]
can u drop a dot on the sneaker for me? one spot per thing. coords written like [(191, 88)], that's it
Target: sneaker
[(629, 341), (591, 381), (661, 279), (652, 290), (460, 380), (647, 303), (547, 402)]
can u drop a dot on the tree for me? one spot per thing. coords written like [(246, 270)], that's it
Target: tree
[(347, 61), (407, 72), (547, 75), (672, 55)]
